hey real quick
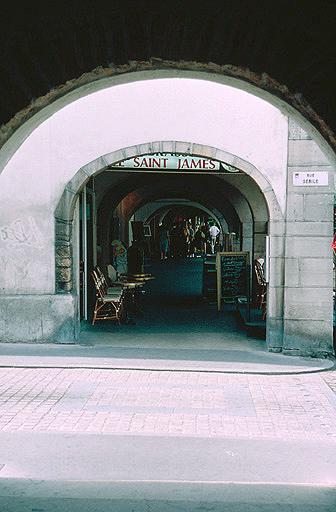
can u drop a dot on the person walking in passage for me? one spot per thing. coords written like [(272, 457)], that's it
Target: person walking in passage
[(214, 232), (164, 242), (191, 241)]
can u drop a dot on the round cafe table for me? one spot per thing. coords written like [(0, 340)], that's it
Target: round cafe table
[(138, 277), (129, 284), (134, 282), (132, 287)]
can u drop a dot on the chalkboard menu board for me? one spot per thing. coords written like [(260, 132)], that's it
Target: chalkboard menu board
[(232, 275)]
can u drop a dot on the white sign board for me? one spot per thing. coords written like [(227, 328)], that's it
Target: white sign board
[(310, 179), (162, 161)]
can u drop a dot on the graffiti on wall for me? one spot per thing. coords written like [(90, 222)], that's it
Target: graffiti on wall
[(17, 263), (13, 268), (26, 233)]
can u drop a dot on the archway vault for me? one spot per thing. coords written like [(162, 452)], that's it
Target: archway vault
[(164, 206), (259, 84), (65, 208), (160, 209)]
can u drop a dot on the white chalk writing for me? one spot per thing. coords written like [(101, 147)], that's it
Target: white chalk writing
[(22, 233)]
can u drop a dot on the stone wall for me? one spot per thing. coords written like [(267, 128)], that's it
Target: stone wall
[(307, 253), (39, 185)]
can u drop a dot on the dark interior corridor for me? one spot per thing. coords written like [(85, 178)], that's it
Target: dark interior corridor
[(175, 315)]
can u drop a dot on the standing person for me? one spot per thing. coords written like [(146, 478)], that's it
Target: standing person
[(179, 243), (204, 236), (214, 232), (135, 258), (173, 241), (164, 241), (198, 241), (191, 242), (186, 234)]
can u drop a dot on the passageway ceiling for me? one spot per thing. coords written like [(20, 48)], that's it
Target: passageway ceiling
[(211, 191), (45, 44), (166, 211), (183, 207), (219, 208)]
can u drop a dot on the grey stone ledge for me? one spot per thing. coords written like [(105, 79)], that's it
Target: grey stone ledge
[(85, 171), (63, 262), (71, 190), (62, 244), (64, 274), (60, 239), (311, 167), (64, 288)]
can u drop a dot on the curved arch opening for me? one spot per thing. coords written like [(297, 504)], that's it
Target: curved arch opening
[(256, 138), (171, 197), (269, 90)]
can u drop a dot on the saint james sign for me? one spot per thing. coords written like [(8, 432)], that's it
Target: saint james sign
[(172, 161)]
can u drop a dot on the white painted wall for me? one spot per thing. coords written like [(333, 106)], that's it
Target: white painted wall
[(169, 109)]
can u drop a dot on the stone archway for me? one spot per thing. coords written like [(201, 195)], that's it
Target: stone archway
[(65, 207), (195, 71), (260, 85)]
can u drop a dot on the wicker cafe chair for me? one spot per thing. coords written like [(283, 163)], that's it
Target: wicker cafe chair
[(107, 289), (262, 287), (109, 303)]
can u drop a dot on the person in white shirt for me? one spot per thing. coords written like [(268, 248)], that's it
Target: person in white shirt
[(214, 231)]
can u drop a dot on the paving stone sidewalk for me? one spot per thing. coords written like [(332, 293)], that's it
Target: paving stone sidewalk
[(169, 403)]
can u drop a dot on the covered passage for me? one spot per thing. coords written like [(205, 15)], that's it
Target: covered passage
[(186, 207), (64, 168)]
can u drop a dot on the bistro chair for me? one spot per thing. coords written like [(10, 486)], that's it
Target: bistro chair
[(109, 303)]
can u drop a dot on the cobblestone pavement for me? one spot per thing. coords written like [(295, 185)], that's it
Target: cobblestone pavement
[(169, 403)]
